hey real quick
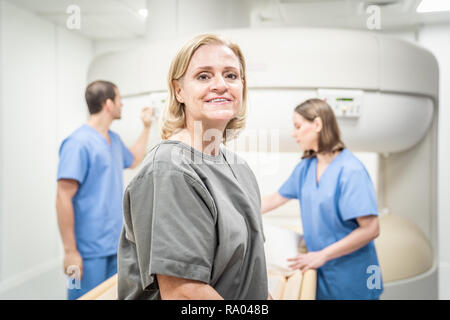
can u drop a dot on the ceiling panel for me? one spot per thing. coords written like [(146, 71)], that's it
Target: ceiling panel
[(119, 19), (100, 19)]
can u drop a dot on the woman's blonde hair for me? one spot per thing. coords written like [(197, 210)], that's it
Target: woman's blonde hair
[(329, 136), (174, 117)]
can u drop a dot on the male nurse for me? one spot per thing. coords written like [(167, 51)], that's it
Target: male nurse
[(90, 189)]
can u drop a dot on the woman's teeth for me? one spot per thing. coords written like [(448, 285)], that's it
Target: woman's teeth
[(218, 100)]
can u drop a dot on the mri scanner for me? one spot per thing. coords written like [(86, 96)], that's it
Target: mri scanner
[(384, 92)]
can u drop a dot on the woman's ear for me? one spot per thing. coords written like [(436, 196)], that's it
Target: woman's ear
[(177, 87), (318, 124)]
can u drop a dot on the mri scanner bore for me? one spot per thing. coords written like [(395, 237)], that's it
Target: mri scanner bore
[(393, 129)]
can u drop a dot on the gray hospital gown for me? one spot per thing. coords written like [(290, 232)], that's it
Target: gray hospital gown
[(191, 215)]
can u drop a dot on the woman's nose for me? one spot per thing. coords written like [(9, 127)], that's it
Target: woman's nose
[(219, 84)]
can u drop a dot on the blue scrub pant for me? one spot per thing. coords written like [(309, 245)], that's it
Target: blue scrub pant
[(95, 271)]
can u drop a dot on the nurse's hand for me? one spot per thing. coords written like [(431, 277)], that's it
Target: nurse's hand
[(306, 261), (73, 264), (147, 116)]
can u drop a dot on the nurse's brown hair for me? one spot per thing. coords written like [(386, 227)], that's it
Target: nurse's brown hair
[(97, 93), (330, 136)]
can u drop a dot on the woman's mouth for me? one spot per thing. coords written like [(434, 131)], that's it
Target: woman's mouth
[(219, 100)]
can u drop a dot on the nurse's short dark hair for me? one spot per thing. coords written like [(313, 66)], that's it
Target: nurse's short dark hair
[(97, 93), (330, 135)]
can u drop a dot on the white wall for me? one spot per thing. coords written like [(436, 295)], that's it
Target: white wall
[(43, 75)]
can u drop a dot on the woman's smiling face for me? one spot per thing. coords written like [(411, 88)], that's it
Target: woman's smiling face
[(212, 87)]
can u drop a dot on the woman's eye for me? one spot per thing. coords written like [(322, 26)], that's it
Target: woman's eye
[(232, 76), (203, 76)]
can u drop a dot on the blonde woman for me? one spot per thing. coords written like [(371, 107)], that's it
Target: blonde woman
[(193, 228), (338, 206)]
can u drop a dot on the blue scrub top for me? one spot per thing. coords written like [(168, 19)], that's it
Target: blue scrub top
[(329, 210), (86, 156)]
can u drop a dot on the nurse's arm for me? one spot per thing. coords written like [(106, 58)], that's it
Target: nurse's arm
[(174, 288), (367, 231), (140, 146), (138, 150), (66, 190), (272, 201)]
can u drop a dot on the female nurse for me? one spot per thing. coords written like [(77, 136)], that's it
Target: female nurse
[(338, 208)]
